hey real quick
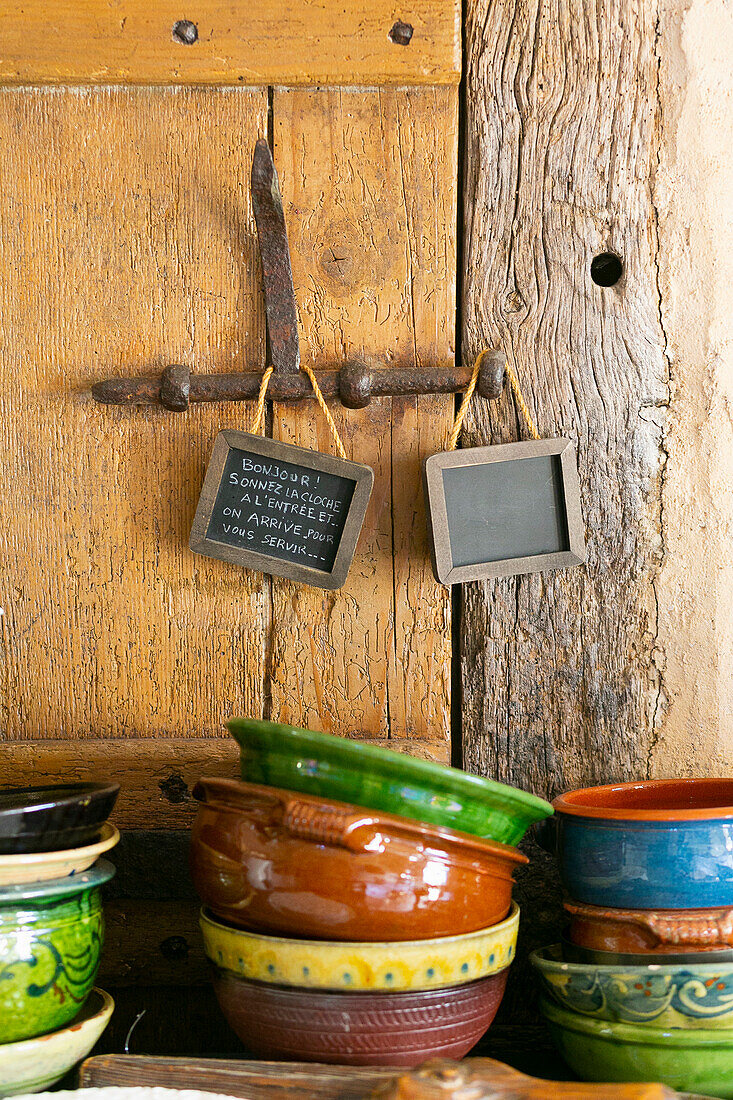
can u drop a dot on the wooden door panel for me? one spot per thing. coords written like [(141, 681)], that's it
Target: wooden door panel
[(369, 188), (126, 243)]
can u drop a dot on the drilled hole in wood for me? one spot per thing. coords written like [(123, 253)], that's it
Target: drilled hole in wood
[(606, 269), (185, 32), (174, 789), (401, 33)]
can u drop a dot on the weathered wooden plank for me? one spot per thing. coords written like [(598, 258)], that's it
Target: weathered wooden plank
[(151, 865), (126, 241), (196, 1031), (560, 684), (369, 185), (155, 775), (693, 192), (249, 1080), (219, 42), (180, 1020)]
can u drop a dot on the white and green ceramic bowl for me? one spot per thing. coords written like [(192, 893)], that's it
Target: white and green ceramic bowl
[(35, 1064)]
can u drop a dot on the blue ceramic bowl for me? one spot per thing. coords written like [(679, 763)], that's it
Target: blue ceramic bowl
[(664, 844)]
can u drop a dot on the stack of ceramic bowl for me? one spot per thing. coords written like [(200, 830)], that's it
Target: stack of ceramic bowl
[(357, 901), (51, 929), (641, 989)]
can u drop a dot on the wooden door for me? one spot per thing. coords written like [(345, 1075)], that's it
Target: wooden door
[(127, 242)]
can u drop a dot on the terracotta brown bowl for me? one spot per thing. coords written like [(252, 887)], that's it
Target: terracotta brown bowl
[(648, 932), (573, 954), (358, 1029), (270, 860)]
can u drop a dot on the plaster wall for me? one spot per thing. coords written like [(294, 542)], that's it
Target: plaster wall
[(693, 192)]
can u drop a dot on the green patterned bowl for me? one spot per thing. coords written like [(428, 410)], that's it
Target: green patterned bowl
[(597, 1050), (51, 936), (379, 779), (675, 995)]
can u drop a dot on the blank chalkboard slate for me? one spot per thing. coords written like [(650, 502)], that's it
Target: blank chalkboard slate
[(498, 511), (281, 509)]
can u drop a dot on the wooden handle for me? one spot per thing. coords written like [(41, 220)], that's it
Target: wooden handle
[(486, 1079)]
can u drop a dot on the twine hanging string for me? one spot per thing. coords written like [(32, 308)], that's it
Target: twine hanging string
[(460, 416), (260, 409)]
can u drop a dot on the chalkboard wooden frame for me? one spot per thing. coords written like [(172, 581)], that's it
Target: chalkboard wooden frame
[(362, 476), (433, 468)]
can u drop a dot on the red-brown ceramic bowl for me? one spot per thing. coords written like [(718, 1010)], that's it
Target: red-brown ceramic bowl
[(358, 1029), (648, 932), (291, 864)]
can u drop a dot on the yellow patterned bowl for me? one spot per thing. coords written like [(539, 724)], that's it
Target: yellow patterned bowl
[(361, 967)]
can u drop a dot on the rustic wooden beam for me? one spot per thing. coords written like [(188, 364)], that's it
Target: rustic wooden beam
[(152, 942), (249, 1080), (220, 42), (155, 774), (560, 685)]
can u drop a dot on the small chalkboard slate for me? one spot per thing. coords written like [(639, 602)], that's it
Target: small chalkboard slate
[(498, 511), (281, 509)]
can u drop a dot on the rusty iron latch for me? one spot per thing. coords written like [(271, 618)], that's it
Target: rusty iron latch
[(355, 383)]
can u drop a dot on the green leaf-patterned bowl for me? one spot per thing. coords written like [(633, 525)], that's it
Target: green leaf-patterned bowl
[(379, 779), (51, 936)]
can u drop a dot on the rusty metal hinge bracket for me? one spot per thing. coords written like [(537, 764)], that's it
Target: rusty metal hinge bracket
[(354, 384)]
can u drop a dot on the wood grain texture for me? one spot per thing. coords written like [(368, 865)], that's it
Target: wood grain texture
[(526, 1048), (302, 42), (249, 1080), (126, 241), (156, 775), (560, 684), (369, 185)]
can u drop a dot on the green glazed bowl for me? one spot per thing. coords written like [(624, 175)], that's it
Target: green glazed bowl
[(686, 995), (51, 936), (379, 779), (597, 1050)]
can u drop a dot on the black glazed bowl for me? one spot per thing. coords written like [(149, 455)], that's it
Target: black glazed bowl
[(53, 819)]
